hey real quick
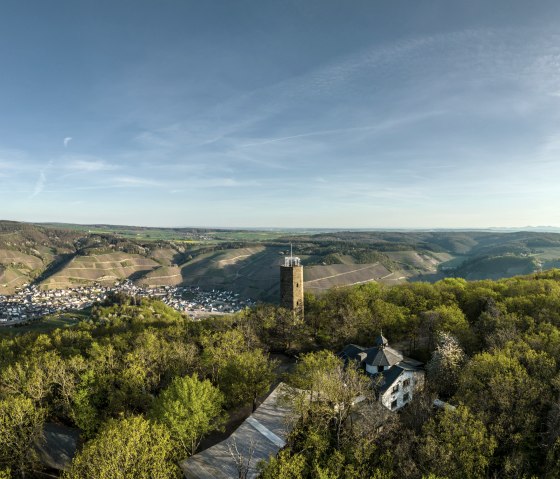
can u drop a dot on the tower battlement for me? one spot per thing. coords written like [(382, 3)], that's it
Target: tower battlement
[(291, 261)]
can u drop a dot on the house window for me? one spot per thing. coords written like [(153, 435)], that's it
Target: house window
[(380, 368), (406, 383), (394, 404), (406, 397), (395, 388)]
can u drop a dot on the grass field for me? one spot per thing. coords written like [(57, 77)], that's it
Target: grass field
[(192, 235)]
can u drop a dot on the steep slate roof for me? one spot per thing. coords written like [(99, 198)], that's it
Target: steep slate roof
[(376, 356), (351, 351), (382, 354), (389, 377), (381, 341), (266, 431)]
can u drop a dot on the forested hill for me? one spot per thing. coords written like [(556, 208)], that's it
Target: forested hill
[(147, 384), (246, 261)]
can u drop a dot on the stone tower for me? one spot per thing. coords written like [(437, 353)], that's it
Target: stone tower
[(291, 284)]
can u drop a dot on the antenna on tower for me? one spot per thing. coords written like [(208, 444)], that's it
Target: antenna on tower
[(291, 260)]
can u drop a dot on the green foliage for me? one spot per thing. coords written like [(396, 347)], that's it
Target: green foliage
[(312, 364), (21, 425), (247, 376), (510, 402), (457, 445), (126, 448), (112, 366), (189, 408), (328, 391), (284, 466), (84, 413)]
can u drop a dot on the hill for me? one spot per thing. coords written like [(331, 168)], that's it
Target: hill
[(247, 261)]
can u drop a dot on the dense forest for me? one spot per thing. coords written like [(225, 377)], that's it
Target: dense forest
[(145, 385)]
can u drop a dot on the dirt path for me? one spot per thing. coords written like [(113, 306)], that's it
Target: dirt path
[(342, 274)]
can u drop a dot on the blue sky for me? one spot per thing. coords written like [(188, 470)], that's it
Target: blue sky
[(292, 113)]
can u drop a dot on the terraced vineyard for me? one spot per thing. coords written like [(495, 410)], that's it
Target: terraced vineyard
[(60, 258), (103, 268)]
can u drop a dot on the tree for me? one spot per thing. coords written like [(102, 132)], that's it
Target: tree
[(446, 364), (329, 389), (510, 402), (33, 376), (21, 424), (189, 408), (83, 411), (247, 376), (242, 459), (456, 445), (127, 448), (219, 349), (445, 318), (284, 466), (308, 366)]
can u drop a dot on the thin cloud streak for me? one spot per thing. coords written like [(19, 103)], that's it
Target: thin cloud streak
[(39, 185)]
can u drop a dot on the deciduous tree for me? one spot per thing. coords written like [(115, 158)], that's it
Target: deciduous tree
[(127, 448), (247, 376), (21, 424), (456, 445), (189, 408), (445, 366)]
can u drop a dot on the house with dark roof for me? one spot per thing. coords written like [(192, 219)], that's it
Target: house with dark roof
[(398, 377)]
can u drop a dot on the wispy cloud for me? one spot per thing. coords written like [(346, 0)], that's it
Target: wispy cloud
[(378, 127), (133, 182), (39, 184), (67, 141), (88, 165), (41, 181)]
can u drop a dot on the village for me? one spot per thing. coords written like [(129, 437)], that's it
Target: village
[(31, 303)]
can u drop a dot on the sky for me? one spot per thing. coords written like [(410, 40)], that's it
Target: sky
[(288, 113)]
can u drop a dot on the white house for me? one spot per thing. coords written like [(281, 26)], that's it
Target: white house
[(399, 377)]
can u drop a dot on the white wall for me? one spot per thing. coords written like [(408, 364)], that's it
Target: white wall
[(416, 381)]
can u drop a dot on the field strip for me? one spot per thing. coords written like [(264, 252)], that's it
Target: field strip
[(107, 269), (163, 277), (342, 274), (236, 257), (105, 262), (15, 279), (76, 278), (371, 279)]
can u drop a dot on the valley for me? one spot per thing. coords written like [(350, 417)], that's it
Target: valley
[(58, 257)]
